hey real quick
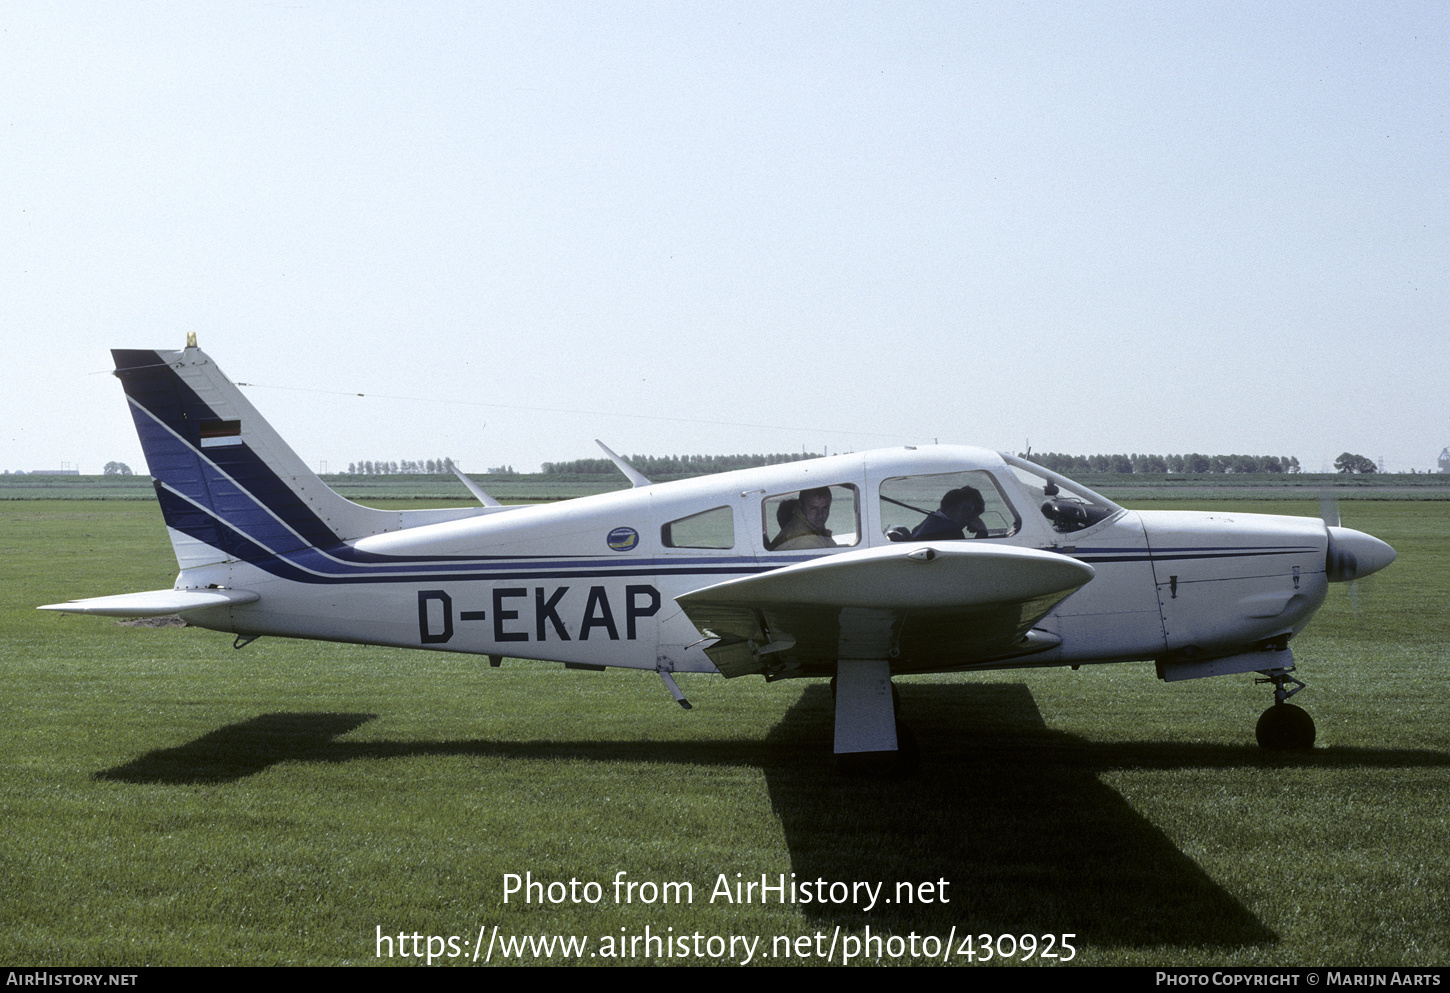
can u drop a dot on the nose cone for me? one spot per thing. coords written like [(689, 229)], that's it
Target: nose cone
[(1353, 554)]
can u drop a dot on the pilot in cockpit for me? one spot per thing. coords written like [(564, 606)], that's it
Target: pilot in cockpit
[(961, 511)]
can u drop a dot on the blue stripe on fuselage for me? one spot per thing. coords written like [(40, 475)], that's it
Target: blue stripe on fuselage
[(319, 565), (330, 565), (1140, 554)]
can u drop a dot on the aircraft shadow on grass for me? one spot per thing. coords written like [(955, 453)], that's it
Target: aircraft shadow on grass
[(1011, 813)]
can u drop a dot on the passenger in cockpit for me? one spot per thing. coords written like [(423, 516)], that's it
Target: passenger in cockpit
[(803, 521)]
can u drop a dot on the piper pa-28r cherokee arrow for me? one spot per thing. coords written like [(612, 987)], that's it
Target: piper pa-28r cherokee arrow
[(858, 567)]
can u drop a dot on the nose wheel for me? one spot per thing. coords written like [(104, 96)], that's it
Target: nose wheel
[(1284, 727)]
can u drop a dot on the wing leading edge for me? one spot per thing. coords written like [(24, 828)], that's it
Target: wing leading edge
[(922, 607)]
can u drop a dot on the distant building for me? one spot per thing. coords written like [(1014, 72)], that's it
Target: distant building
[(1445, 460), (55, 472)]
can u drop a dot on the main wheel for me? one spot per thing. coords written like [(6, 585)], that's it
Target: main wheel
[(908, 753), (1285, 727)]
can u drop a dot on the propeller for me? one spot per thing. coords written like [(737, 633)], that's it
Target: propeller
[(1350, 554)]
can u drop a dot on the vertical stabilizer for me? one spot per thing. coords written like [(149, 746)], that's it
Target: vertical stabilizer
[(230, 487)]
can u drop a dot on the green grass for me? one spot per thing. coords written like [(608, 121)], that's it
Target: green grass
[(168, 800)]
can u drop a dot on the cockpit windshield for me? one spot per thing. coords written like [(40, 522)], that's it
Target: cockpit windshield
[(1067, 505)]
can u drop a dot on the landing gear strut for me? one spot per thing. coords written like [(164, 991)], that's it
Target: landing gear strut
[(1284, 726), (870, 738), (893, 766)]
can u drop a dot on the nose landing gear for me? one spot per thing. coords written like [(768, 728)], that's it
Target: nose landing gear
[(1284, 726)]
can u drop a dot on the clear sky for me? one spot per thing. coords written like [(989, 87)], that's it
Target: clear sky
[(734, 227)]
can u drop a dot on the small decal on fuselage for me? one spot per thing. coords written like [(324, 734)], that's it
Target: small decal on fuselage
[(623, 539)]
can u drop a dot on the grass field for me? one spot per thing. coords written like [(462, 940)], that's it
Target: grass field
[(168, 800)]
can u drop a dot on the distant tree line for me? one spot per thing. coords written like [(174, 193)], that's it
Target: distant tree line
[(1193, 462), (677, 465), (403, 467), (1354, 463), (702, 465)]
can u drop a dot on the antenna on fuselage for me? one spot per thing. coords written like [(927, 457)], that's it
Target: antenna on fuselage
[(630, 471), (474, 488)]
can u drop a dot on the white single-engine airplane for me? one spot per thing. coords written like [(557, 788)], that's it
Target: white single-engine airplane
[(857, 567)]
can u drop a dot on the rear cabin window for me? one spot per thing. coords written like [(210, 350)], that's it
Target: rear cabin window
[(945, 506), (710, 529), (804, 520)]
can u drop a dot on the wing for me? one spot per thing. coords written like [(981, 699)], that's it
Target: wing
[(921, 606)]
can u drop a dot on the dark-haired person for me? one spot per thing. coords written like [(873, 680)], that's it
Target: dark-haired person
[(961, 511)]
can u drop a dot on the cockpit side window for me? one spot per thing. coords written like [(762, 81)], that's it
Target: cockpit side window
[(820, 517), (709, 529), (945, 506)]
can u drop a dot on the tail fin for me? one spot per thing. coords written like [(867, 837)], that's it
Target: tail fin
[(230, 487)]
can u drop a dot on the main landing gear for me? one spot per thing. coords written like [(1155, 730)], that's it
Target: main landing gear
[(1284, 726), (871, 741)]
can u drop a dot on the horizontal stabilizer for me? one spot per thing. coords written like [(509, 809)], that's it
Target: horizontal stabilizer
[(155, 603)]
